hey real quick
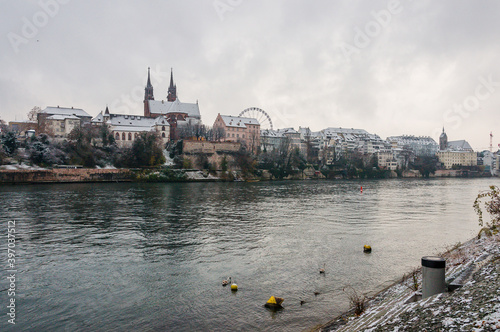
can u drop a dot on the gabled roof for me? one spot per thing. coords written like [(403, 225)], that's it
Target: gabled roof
[(65, 111), (461, 145), (288, 131), (165, 107), (271, 133), (238, 122), (99, 118)]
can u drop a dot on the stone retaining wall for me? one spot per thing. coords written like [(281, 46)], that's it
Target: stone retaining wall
[(194, 147), (65, 175)]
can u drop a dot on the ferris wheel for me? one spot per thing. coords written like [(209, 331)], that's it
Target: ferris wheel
[(261, 116)]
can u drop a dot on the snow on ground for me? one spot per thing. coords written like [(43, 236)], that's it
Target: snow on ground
[(200, 176), (475, 307), (168, 161), (21, 166)]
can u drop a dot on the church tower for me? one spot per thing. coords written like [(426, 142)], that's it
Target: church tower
[(172, 89), (148, 95), (443, 141)]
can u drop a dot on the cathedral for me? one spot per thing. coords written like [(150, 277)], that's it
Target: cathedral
[(178, 114)]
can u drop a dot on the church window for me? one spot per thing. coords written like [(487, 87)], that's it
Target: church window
[(123, 136), (135, 135), (129, 136), (117, 136), (162, 134), (233, 135), (163, 129)]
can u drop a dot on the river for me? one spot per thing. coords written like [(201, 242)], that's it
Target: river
[(151, 257)]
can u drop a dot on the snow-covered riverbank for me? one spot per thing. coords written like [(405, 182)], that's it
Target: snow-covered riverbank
[(474, 307)]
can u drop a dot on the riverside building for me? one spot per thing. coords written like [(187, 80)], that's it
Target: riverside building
[(177, 113), (455, 153)]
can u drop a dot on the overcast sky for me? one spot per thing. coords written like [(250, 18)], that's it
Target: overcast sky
[(389, 67)]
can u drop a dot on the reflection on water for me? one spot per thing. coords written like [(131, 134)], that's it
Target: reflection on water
[(122, 256)]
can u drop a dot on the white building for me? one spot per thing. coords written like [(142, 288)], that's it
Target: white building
[(60, 121), (342, 140), (421, 145), (126, 128), (457, 153), (386, 159), (273, 139)]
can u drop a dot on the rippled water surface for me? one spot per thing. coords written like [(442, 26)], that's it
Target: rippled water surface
[(148, 257)]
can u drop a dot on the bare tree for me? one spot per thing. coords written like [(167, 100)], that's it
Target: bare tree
[(254, 138), (408, 156), (33, 114), (308, 141), (218, 133), (3, 126), (43, 124)]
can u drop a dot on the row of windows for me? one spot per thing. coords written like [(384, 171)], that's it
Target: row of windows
[(124, 137), (242, 129), (237, 135)]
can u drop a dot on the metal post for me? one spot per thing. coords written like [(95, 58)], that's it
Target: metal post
[(433, 276)]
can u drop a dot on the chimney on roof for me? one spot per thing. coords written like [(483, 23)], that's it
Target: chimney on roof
[(71, 107)]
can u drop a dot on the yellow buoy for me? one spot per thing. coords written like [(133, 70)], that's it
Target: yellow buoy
[(234, 287), (367, 248), (272, 300)]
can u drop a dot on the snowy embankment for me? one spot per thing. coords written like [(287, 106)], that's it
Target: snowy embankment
[(21, 166), (475, 306)]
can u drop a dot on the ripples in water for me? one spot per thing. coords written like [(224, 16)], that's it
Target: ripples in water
[(123, 256)]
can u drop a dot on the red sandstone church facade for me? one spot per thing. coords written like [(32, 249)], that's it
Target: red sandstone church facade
[(178, 114)]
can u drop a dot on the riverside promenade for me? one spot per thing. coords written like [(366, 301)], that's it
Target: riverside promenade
[(475, 306)]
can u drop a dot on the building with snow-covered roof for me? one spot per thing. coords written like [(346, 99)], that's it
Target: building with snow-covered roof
[(342, 140), (239, 129), (177, 113), (456, 153), (126, 128), (60, 121), (270, 140), (422, 146), (273, 139)]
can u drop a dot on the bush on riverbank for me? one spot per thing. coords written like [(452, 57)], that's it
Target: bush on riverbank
[(163, 175), (492, 207)]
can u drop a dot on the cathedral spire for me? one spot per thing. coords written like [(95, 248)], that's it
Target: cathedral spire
[(171, 78), (148, 95), (149, 80), (443, 141), (148, 91), (172, 89)]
